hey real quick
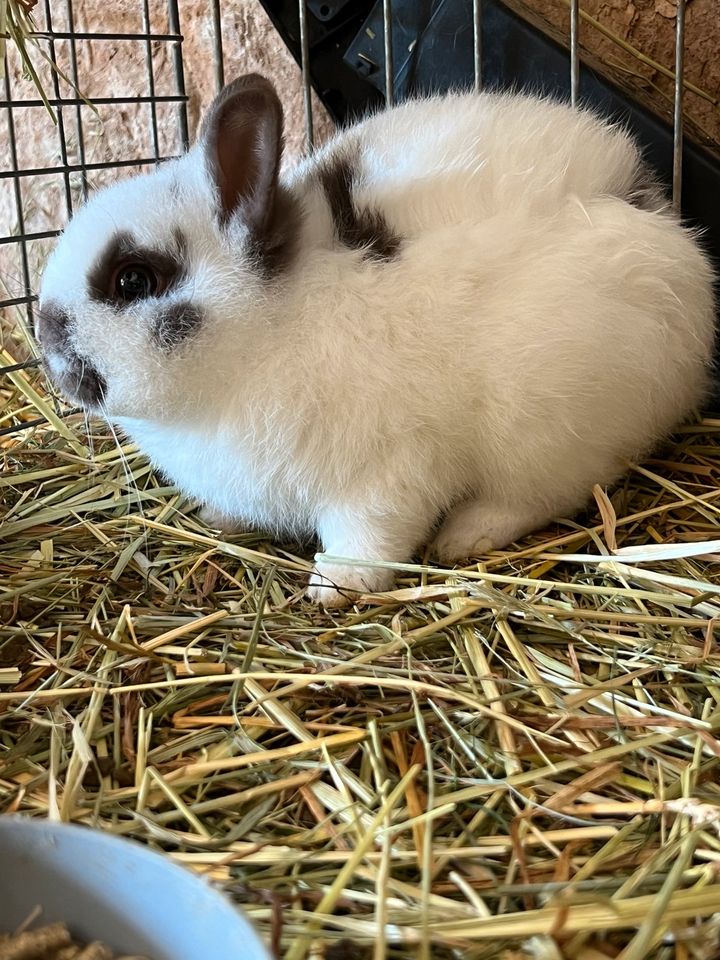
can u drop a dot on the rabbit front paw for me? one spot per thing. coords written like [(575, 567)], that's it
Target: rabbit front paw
[(335, 585)]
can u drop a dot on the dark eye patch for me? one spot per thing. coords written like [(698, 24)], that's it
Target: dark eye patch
[(156, 271)]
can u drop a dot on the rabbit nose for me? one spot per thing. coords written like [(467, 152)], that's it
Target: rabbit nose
[(51, 327), (73, 375)]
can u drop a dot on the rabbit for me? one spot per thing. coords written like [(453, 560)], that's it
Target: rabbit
[(451, 322)]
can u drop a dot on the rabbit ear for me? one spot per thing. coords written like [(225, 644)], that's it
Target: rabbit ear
[(241, 137)]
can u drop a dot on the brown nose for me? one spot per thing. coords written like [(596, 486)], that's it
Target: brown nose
[(51, 327)]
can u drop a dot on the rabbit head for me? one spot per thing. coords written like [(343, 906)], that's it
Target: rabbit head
[(154, 274)]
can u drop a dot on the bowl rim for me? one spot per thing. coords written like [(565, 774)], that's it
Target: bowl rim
[(41, 827)]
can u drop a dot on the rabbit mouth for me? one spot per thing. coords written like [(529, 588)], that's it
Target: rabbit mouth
[(77, 380), (74, 376)]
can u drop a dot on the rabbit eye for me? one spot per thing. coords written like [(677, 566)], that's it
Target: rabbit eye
[(136, 281)]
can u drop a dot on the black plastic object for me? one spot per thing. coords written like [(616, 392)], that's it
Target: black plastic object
[(327, 9), (345, 93), (432, 47)]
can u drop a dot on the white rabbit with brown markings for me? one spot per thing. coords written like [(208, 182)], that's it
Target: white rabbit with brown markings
[(468, 309)]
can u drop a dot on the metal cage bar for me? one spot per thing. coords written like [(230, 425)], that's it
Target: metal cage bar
[(218, 58), (38, 235), (678, 105), (76, 83), (574, 51), (62, 138), (76, 168), (175, 35), (477, 45), (179, 71), (389, 59), (305, 68), (28, 297), (151, 79), (97, 101)]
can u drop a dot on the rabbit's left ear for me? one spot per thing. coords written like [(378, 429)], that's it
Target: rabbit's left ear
[(241, 138)]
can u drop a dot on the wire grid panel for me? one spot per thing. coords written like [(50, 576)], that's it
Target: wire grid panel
[(48, 163), (141, 127)]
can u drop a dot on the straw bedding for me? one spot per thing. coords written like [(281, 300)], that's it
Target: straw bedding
[(52, 941), (517, 758)]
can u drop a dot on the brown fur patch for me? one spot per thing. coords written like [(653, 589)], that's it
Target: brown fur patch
[(175, 324), (363, 229), (276, 248)]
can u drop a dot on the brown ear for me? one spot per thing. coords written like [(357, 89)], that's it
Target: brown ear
[(242, 140)]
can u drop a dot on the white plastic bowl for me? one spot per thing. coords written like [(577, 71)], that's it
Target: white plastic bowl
[(114, 890)]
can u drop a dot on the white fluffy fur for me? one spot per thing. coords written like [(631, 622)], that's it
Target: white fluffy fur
[(534, 333)]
